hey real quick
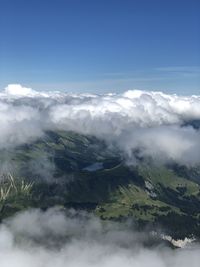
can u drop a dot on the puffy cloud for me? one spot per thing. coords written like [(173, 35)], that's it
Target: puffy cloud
[(18, 90), (54, 239), (155, 124), (163, 143)]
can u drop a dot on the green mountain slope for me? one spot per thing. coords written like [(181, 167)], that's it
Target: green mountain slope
[(78, 171)]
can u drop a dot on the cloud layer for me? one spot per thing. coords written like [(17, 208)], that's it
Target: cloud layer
[(40, 239), (152, 123)]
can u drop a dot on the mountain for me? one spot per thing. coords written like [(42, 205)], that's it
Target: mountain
[(82, 172)]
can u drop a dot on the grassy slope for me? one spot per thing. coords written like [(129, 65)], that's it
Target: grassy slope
[(169, 200), (146, 193), (15, 195)]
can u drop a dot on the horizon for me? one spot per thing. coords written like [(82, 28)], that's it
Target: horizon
[(27, 91)]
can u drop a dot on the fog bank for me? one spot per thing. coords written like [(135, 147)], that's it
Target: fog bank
[(164, 127), (55, 239)]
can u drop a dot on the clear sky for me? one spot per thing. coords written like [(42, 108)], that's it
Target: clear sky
[(101, 45)]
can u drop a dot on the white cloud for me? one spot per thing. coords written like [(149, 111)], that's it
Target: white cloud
[(151, 122), (18, 90), (34, 238)]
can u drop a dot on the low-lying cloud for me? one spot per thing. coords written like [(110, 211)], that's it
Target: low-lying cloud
[(154, 124), (56, 239)]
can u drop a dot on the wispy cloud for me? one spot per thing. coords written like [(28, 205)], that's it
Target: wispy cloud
[(189, 69), (171, 79)]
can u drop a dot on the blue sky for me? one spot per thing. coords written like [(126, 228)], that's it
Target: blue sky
[(101, 45)]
